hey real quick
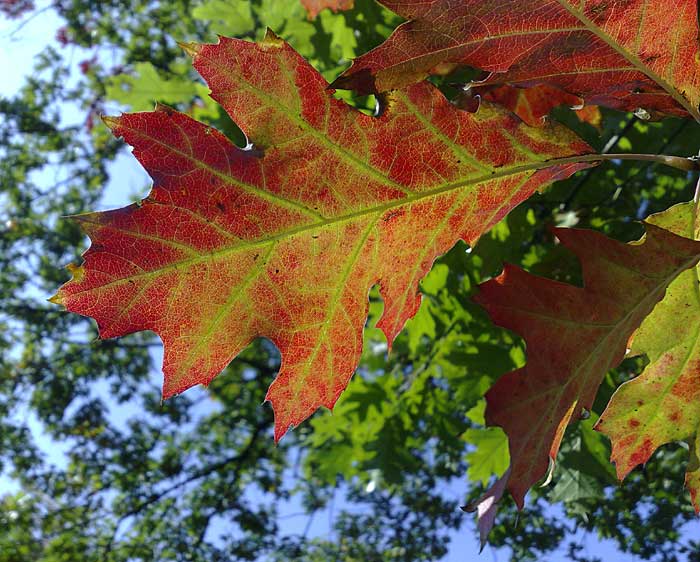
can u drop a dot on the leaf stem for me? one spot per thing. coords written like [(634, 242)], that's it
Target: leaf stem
[(612, 143), (696, 197), (696, 200), (679, 162)]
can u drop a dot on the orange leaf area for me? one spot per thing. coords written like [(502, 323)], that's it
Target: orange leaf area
[(574, 336), (621, 54), (314, 7), (532, 105), (285, 239)]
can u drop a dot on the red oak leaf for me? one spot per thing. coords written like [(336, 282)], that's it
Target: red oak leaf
[(592, 115), (532, 105), (574, 335), (624, 54), (663, 403), (285, 240)]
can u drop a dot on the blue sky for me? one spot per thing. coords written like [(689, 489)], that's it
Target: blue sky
[(129, 180)]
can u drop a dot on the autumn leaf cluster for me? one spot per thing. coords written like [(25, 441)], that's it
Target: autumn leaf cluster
[(285, 238)]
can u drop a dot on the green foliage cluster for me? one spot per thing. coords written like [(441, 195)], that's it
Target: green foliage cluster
[(197, 478)]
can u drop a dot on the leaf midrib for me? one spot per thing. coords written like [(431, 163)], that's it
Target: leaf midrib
[(378, 209), (613, 328), (300, 380)]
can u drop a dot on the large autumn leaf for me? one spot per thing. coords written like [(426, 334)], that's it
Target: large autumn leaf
[(662, 405), (624, 54), (574, 335), (285, 239)]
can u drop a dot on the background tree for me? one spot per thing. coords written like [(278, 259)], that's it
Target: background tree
[(197, 477)]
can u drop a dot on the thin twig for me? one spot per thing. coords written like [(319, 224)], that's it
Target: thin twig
[(662, 148), (683, 163), (696, 197), (27, 20), (696, 201), (612, 142)]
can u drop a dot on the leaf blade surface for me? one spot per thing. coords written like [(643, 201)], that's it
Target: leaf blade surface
[(621, 54), (284, 240), (662, 404), (574, 336)]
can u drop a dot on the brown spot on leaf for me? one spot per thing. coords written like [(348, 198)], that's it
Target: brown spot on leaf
[(390, 215), (642, 454)]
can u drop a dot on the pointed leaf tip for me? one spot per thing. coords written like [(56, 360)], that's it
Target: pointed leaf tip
[(272, 39), (191, 48), (280, 431), (77, 272), (164, 108), (111, 121), (56, 299)]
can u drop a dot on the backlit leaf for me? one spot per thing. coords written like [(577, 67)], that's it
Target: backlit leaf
[(490, 456), (285, 239), (574, 336), (530, 104), (486, 507), (533, 104), (624, 54), (662, 405)]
